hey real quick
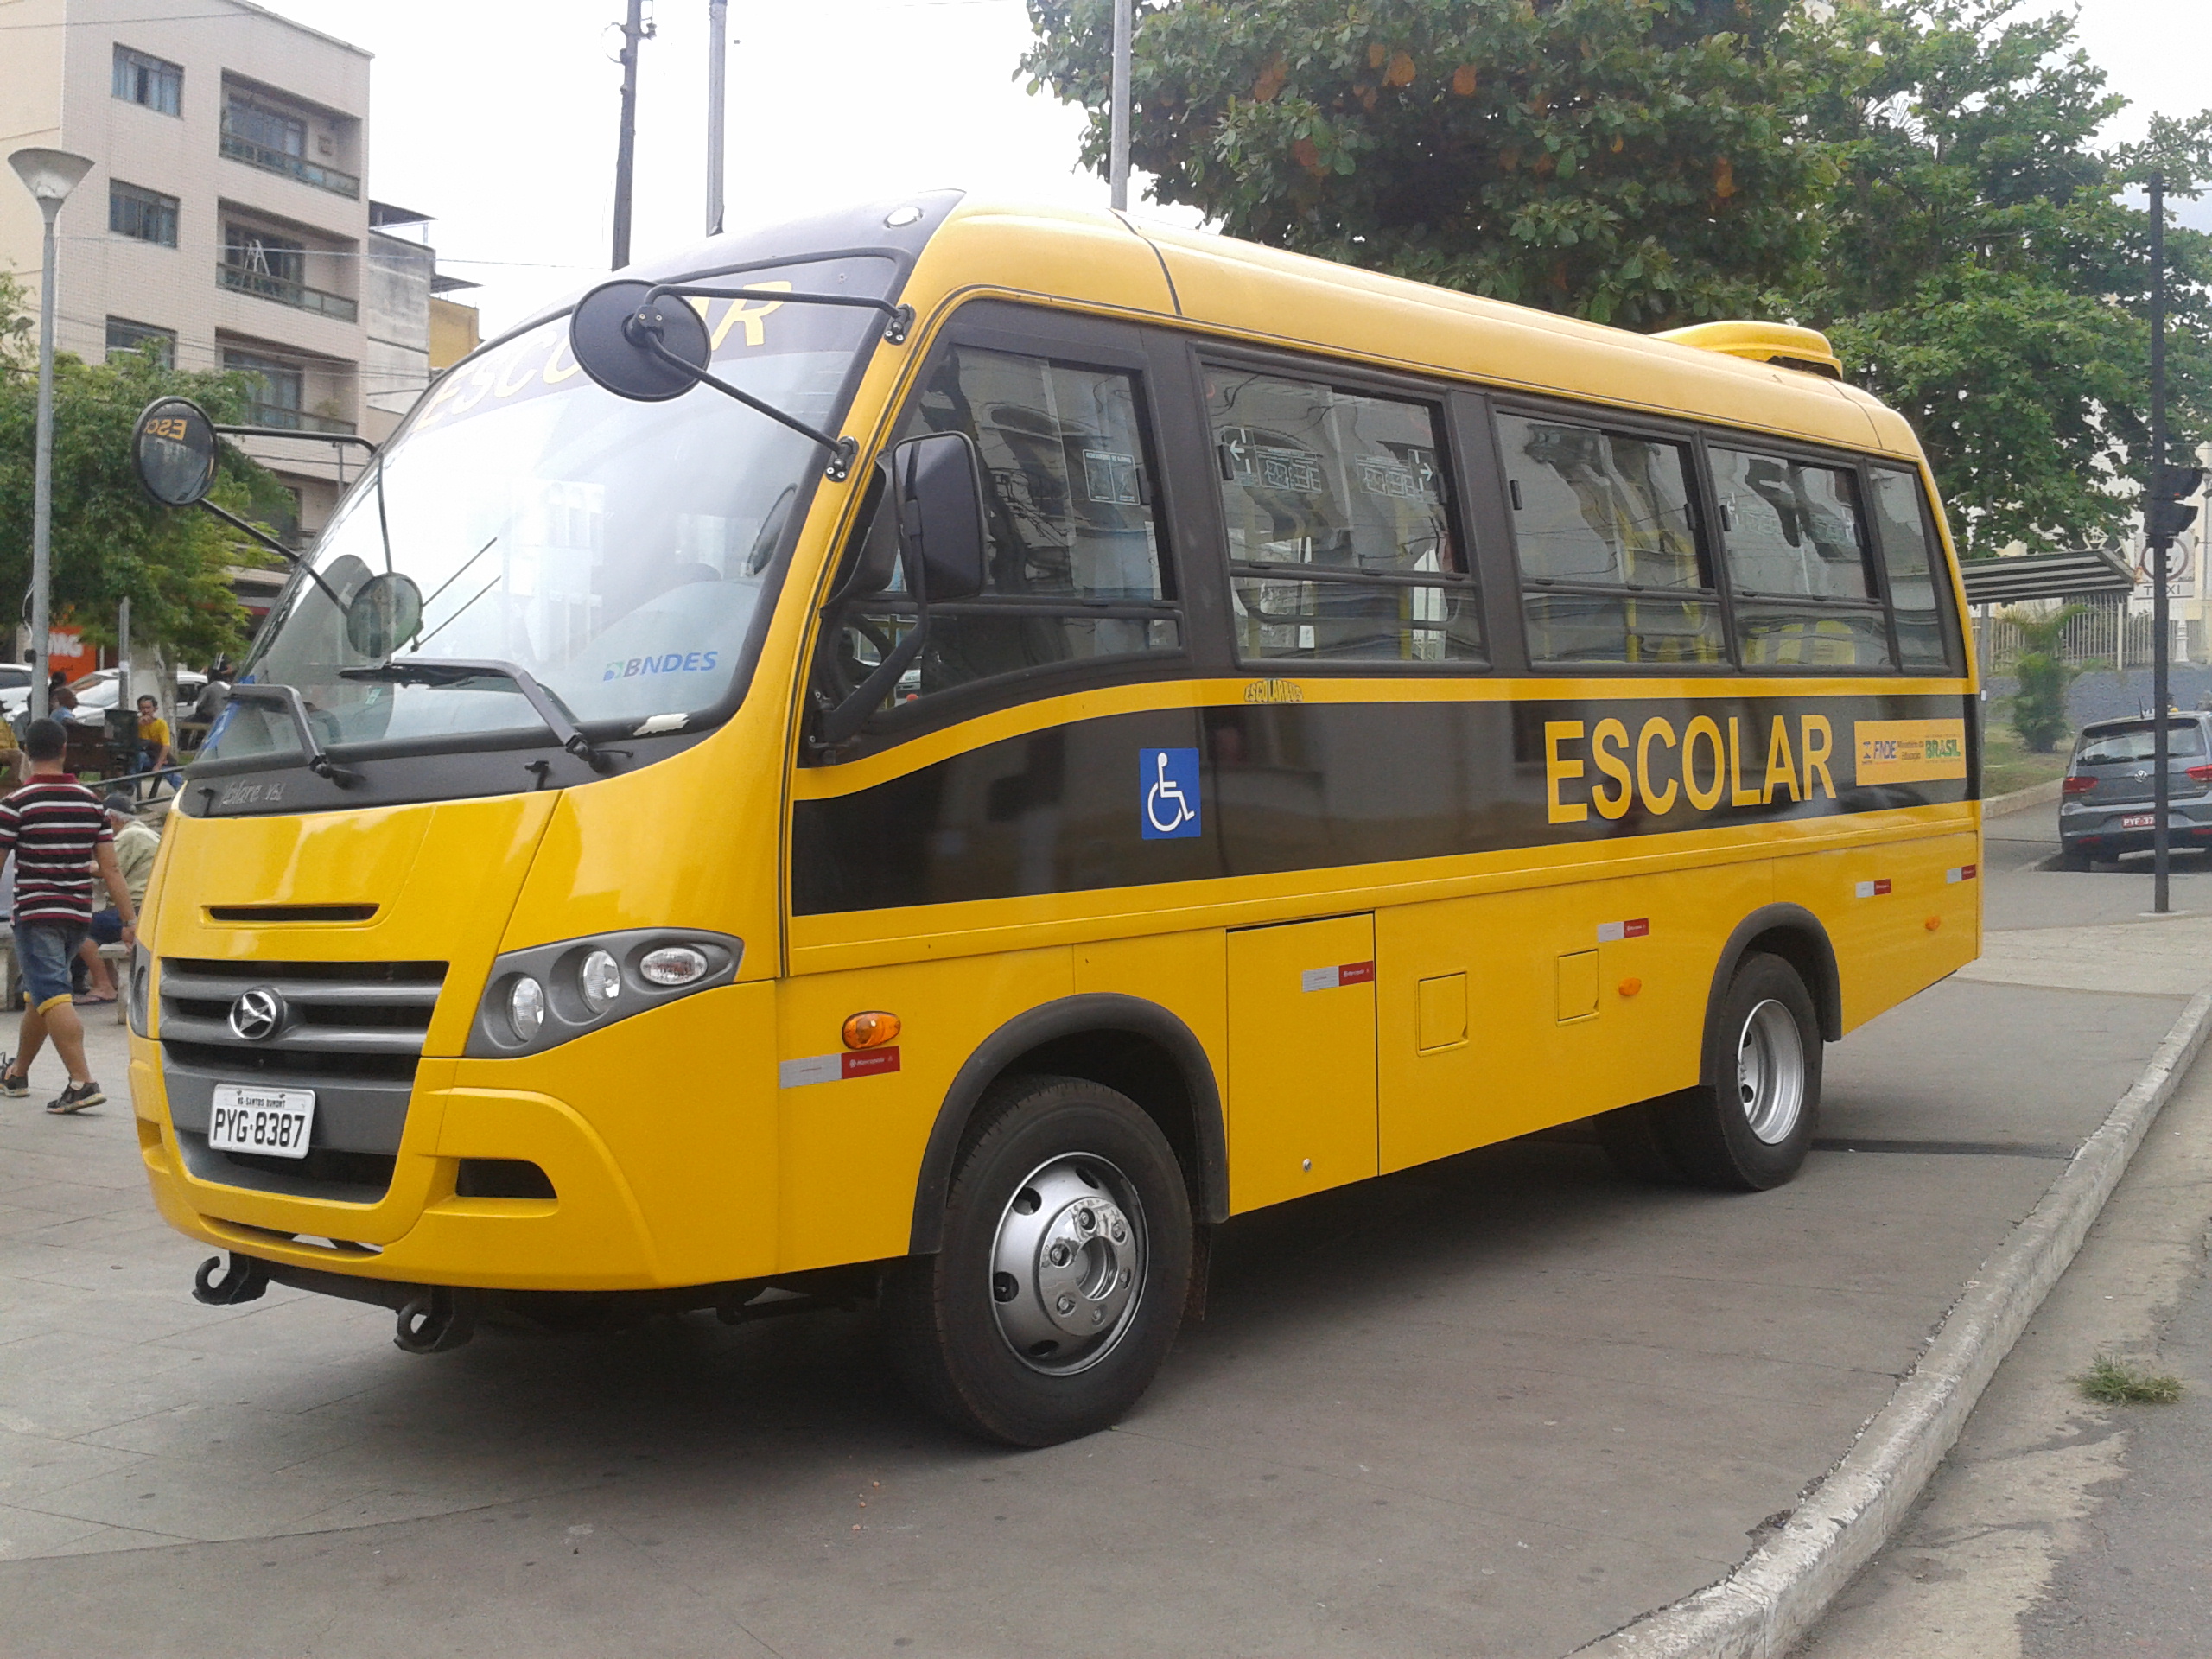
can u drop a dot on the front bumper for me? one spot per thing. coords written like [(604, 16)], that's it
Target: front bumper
[(657, 1134)]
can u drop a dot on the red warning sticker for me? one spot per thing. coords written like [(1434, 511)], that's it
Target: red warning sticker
[(1327, 979), (1630, 929), (1962, 872), (836, 1067), (1875, 889)]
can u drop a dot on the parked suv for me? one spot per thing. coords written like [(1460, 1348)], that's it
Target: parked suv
[(2104, 807)]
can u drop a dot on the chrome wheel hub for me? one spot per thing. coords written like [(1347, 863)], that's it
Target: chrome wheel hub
[(1770, 1071), (1067, 1266)]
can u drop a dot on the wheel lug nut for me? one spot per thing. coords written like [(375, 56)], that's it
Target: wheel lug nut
[(1086, 1220), (1058, 1255), (1120, 1232), (1066, 1304), (1098, 1316), (1122, 1283)]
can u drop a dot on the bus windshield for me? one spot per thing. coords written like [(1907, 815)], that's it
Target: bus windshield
[(615, 551)]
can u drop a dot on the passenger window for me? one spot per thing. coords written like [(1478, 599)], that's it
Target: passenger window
[(1076, 570), (1799, 568), (1341, 539), (1610, 566), (1920, 588)]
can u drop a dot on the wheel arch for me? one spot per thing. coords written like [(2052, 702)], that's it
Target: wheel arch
[(1796, 935), (1125, 1043)]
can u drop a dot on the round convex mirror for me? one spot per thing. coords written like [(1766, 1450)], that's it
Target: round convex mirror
[(612, 331), (173, 448), (384, 614)]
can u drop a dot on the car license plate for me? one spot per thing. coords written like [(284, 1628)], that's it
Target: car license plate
[(2138, 820), (274, 1122)]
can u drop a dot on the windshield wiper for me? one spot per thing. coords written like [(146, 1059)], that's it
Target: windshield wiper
[(288, 698), (452, 670)]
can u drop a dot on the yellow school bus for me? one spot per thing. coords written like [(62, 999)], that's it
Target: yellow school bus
[(941, 752)]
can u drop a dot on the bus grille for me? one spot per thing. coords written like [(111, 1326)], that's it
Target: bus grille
[(351, 1031)]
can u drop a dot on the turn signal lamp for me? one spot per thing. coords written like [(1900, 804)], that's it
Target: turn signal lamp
[(871, 1030)]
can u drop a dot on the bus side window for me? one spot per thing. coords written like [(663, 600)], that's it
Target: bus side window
[(1610, 566), (1077, 571), (1799, 568), (1341, 544), (1920, 589)]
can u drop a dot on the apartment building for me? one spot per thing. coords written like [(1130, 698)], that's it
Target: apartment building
[(225, 218)]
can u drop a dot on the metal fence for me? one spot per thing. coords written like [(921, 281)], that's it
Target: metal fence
[(2104, 633)]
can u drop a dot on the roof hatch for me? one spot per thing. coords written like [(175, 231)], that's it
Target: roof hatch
[(1778, 343)]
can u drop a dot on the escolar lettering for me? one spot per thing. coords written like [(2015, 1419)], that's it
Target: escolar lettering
[(1698, 767)]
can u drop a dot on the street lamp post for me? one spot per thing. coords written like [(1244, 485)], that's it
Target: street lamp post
[(49, 175)]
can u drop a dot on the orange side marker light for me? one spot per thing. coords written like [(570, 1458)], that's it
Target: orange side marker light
[(1630, 986), (1935, 922), (871, 1030)]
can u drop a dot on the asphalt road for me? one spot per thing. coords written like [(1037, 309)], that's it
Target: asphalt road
[(1496, 1406)]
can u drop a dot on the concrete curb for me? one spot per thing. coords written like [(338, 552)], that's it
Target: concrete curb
[(1763, 1608), (2034, 794)]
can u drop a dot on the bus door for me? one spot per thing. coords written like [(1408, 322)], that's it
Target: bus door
[(1302, 1058)]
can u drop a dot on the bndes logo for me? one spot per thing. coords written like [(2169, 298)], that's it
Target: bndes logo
[(675, 662)]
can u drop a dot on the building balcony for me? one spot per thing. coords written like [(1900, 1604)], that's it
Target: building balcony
[(241, 148), (294, 420), (284, 291)]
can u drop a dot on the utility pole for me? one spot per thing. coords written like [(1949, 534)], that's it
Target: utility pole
[(626, 148), (718, 67), (1117, 155), (2161, 850)]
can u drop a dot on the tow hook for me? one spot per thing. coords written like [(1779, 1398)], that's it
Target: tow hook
[(436, 1321), (242, 1282)]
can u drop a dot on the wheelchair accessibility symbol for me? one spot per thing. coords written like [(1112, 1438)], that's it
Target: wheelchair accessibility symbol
[(1169, 778)]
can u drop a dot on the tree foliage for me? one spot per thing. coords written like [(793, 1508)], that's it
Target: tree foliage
[(2042, 677), (1630, 160), (1921, 178), (1984, 270), (109, 540)]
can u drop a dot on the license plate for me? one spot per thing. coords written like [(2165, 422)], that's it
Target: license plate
[(274, 1122), (2138, 820)]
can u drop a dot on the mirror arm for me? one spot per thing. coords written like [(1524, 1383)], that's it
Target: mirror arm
[(293, 435), (898, 320), (288, 698), (842, 451), (276, 547)]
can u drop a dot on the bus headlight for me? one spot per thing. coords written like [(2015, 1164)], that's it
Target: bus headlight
[(538, 998), (599, 979), (526, 1008)]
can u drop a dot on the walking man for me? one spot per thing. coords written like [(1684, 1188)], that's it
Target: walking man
[(57, 831)]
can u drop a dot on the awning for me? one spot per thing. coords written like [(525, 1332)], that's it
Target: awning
[(2046, 575)]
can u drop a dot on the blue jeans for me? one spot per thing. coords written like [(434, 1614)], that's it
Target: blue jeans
[(43, 953)]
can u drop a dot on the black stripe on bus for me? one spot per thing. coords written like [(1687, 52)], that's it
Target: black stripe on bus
[(1315, 785)]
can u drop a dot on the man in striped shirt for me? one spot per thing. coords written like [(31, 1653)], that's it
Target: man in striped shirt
[(58, 833)]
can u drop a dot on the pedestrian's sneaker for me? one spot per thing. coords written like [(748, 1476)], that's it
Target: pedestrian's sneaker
[(76, 1098), (12, 1083)]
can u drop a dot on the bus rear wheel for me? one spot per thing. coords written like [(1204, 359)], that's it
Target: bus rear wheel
[(1064, 1271), (1749, 1127)]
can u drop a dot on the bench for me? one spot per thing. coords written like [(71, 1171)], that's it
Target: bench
[(116, 956)]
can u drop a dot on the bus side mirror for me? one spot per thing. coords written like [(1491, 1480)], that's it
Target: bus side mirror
[(938, 481), (173, 450)]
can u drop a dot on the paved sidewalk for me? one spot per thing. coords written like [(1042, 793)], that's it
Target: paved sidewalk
[(1496, 1406)]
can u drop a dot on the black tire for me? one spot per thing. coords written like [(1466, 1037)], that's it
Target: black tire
[(1634, 1145), (1092, 1152), (1710, 1129)]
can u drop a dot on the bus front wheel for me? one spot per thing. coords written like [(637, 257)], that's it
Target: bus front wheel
[(1750, 1127), (1062, 1273)]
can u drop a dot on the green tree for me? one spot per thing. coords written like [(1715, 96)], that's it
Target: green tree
[(1985, 272), (1637, 162), (2043, 678), (109, 540)]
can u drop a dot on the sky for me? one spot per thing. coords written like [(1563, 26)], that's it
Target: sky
[(498, 117)]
